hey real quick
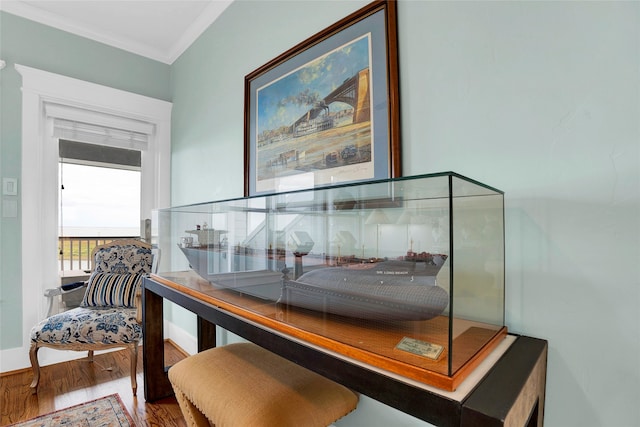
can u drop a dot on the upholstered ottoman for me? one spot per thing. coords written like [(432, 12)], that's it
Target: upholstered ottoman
[(244, 385)]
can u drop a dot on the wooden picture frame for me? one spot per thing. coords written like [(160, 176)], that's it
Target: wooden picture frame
[(326, 111)]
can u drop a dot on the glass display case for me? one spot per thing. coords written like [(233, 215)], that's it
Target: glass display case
[(406, 274)]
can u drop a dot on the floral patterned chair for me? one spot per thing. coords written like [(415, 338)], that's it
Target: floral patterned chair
[(109, 316)]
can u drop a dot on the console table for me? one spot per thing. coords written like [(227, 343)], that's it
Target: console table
[(509, 389)]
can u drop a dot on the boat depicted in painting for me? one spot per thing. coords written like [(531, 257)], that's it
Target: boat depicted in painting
[(307, 127)]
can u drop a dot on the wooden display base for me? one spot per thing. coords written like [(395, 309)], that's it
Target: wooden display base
[(372, 343), (375, 343)]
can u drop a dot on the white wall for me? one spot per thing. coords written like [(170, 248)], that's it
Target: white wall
[(539, 99)]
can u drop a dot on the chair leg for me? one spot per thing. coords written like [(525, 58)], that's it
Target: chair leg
[(90, 355), (134, 366), (35, 366)]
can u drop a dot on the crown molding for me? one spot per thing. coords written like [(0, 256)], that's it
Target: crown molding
[(165, 55), (206, 18)]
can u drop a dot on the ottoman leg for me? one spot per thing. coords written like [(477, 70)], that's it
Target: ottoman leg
[(191, 414)]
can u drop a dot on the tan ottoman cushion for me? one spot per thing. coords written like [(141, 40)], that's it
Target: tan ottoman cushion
[(242, 385)]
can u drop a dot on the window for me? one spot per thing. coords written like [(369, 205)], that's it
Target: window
[(99, 196)]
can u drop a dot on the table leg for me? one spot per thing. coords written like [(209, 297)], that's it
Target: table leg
[(156, 381), (206, 334)]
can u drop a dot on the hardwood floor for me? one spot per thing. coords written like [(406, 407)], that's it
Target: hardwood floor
[(70, 383)]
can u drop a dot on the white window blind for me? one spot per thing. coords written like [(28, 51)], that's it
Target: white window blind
[(99, 128), (94, 134)]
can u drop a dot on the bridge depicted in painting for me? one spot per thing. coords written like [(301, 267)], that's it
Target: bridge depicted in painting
[(354, 91)]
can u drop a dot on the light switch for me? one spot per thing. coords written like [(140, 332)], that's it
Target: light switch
[(9, 187)]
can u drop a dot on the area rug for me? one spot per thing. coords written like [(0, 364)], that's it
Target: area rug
[(106, 411)]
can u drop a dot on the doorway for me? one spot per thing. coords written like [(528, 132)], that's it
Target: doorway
[(48, 98)]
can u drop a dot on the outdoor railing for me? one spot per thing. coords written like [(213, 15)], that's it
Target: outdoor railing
[(75, 252)]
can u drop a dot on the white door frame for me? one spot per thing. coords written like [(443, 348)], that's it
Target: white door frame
[(40, 91)]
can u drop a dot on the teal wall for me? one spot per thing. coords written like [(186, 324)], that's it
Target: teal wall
[(539, 99), (28, 43), (208, 88)]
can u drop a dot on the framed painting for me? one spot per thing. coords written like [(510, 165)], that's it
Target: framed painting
[(326, 112)]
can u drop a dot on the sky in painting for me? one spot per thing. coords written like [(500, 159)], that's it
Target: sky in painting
[(285, 100)]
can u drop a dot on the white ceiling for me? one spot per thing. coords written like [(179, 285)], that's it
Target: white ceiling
[(157, 29)]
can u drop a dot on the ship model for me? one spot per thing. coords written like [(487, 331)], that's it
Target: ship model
[(373, 289)]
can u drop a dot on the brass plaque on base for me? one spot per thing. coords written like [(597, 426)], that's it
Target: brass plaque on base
[(421, 348)]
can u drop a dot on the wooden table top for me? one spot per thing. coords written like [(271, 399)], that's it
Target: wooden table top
[(370, 342)]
